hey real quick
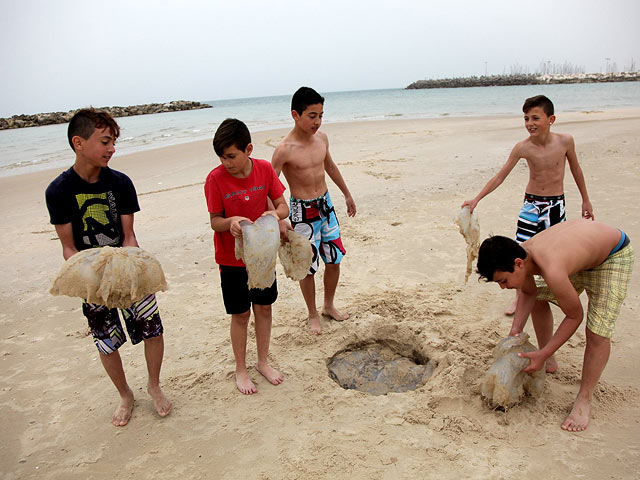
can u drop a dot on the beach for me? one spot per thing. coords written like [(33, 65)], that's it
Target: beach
[(402, 280)]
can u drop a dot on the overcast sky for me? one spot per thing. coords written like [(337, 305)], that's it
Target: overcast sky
[(64, 54)]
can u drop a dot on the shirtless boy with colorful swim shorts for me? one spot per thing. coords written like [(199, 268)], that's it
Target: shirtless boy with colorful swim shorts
[(545, 153), (303, 156)]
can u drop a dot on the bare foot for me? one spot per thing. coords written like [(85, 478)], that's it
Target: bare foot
[(551, 365), (271, 374), (315, 327), (335, 314), (244, 383), (122, 415), (162, 403), (511, 309), (578, 419)]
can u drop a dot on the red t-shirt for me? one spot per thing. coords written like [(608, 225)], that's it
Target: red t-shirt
[(245, 197)]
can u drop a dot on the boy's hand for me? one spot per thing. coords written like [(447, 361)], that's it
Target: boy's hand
[(284, 227), (587, 211), (537, 360), (235, 228), (351, 206), (470, 203)]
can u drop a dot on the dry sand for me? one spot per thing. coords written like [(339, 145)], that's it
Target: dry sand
[(402, 279)]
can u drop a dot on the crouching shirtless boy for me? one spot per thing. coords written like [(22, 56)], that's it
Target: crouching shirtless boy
[(571, 257)]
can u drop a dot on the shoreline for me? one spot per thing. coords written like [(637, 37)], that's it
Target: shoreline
[(8, 172)]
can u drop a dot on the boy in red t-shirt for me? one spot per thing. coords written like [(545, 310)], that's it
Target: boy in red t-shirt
[(239, 190)]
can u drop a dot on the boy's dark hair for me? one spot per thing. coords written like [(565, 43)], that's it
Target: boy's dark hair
[(304, 97), (538, 101), (86, 120), (498, 253), (231, 132)]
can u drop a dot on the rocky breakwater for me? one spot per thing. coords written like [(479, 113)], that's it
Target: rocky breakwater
[(38, 119), (530, 79)]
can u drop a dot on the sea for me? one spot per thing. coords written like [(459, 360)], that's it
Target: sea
[(37, 148)]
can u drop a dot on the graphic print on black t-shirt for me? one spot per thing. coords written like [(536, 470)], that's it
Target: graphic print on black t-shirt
[(99, 219)]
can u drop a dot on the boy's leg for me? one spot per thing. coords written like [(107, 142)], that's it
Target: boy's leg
[(308, 288), (511, 309), (144, 324), (607, 287), (154, 352), (596, 355), (238, 330), (108, 337), (262, 315), (543, 326), (331, 278), (112, 363), (332, 251)]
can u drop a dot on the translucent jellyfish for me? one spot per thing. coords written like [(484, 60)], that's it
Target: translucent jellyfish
[(470, 230), (296, 255), (258, 249), (505, 383), (115, 277)]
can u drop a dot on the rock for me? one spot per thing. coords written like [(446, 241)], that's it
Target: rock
[(21, 121), (524, 79)]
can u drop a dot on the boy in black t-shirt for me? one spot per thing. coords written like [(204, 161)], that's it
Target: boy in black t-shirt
[(90, 206)]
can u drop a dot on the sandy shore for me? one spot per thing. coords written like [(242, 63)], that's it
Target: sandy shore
[(402, 279)]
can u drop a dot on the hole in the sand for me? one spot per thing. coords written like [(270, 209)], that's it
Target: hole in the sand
[(380, 367)]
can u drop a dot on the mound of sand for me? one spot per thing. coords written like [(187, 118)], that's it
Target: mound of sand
[(115, 277)]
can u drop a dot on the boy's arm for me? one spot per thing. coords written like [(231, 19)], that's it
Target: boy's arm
[(283, 225), (334, 173), (219, 223), (578, 176), (526, 300), (568, 300), (65, 234), (278, 159), (496, 180), (278, 208), (129, 235)]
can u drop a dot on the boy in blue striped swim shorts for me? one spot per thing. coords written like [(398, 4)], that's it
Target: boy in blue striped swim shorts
[(546, 154)]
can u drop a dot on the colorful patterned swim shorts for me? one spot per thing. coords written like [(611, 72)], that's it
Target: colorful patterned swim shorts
[(142, 320), (539, 213), (316, 219)]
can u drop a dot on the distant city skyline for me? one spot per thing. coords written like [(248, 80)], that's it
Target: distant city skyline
[(57, 56)]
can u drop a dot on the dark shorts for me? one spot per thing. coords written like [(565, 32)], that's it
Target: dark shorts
[(142, 320), (236, 294)]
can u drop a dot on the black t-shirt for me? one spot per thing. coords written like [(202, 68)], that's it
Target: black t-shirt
[(93, 209)]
